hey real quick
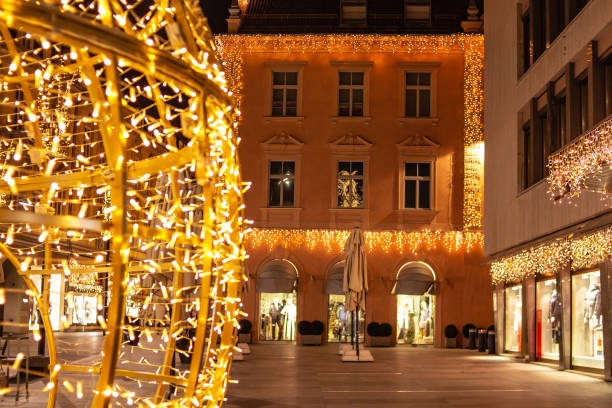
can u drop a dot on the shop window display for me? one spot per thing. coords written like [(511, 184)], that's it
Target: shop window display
[(587, 324), (415, 319), (278, 312), (339, 321), (81, 308), (548, 320), (514, 318)]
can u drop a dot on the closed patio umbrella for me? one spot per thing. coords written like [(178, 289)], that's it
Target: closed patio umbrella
[(355, 282)]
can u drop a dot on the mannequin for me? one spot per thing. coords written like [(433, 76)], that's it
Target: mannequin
[(424, 319), (275, 318), (289, 313), (592, 306), (554, 316)]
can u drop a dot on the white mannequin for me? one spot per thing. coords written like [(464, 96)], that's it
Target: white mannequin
[(290, 312)]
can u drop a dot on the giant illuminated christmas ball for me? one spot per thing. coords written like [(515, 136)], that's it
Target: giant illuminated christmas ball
[(120, 180)]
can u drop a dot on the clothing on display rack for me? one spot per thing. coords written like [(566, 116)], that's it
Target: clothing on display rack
[(554, 316)]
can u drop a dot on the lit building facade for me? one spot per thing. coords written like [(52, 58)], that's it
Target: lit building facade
[(383, 132), (548, 87)]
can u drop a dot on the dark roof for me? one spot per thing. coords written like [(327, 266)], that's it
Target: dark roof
[(324, 16)]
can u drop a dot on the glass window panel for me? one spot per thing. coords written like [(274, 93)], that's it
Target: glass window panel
[(291, 96), (514, 319), (278, 78), (291, 78), (424, 78), (357, 109), (358, 201), (412, 78), (357, 95), (357, 167), (415, 319), (288, 168), (288, 192), (344, 166), (357, 78), (275, 192), (339, 321), (410, 194), (424, 169), (278, 312), (424, 194), (345, 78), (290, 111), (548, 320), (587, 321), (411, 169), (344, 95), (424, 103), (276, 167), (344, 102), (411, 103)]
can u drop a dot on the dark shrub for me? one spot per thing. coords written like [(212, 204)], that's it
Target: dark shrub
[(245, 326), (450, 331), (466, 329), (491, 328), (317, 327), (373, 329), (385, 330), (304, 327)]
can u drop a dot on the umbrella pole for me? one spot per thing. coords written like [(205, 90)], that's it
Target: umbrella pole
[(357, 333), (352, 329)]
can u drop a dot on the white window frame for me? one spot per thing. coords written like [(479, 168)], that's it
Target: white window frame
[(284, 88), (418, 179), (417, 67), (284, 66), (353, 66), (418, 88), (281, 178)]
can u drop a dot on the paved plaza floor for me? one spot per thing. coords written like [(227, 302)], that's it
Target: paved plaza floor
[(290, 376)]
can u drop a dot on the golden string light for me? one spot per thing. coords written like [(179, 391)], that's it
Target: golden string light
[(119, 150), (233, 49), (332, 241), (574, 164), (546, 259)]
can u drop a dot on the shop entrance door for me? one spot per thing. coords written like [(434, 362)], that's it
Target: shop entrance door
[(277, 316), (276, 284), (415, 319), (339, 321)]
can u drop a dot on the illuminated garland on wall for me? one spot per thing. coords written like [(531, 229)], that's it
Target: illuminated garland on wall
[(546, 259), (233, 47), (573, 165), (332, 241)]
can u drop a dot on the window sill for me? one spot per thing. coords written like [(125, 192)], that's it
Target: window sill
[(432, 121), (280, 217), (362, 119), (297, 119), (347, 209), (410, 217)]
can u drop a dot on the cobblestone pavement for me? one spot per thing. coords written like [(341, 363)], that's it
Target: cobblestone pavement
[(289, 376)]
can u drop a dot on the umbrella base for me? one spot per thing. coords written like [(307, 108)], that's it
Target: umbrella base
[(237, 355), (344, 347), (244, 347), (364, 357)]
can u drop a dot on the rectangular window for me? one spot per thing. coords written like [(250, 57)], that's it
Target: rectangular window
[(417, 185), (587, 321), (539, 156), (350, 184), (526, 155), (559, 125), (418, 94), (526, 41), (350, 93), (281, 184), (548, 320), (284, 93), (514, 318), (608, 86), (583, 105)]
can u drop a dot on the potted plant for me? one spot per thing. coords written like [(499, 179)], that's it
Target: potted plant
[(450, 336), (380, 334), (465, 330), (244, 331), (311, 332)]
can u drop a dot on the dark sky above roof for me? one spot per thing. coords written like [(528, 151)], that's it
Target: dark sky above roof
[(216, 10)]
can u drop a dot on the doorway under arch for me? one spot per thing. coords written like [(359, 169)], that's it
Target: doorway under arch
[(415, 303), (276, 285), (339, 328)]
